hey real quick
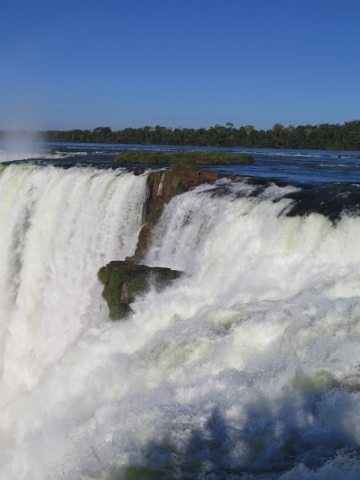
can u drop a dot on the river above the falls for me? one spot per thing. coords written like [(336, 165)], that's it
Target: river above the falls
[(304, 167)]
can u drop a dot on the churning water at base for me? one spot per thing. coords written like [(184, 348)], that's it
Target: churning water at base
[(247, 367)]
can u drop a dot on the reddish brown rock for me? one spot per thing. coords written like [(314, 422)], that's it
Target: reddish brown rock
[(163, 186)]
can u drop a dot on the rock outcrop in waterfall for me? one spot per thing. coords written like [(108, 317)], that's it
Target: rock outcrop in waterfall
[(124, 280)]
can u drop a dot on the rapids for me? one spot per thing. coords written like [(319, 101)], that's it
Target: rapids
[(247, 367)]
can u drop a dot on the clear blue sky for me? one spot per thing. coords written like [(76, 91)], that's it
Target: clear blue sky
[(117, 63)]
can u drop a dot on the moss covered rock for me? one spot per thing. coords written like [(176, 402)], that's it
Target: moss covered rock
[(124, 280)]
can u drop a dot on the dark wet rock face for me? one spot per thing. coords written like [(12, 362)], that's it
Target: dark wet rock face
[(332, 201), (124, 280)]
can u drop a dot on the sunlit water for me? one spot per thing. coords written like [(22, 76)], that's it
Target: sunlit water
[(247, 367)]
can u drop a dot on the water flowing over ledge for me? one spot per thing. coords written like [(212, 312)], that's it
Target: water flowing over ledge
[(245, 367)]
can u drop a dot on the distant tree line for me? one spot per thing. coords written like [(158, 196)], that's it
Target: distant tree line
[(325, 136)]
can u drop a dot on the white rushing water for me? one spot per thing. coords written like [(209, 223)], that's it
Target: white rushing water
[(246, 367)]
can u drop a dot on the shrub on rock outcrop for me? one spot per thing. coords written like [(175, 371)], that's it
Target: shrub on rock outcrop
[(124, 280)]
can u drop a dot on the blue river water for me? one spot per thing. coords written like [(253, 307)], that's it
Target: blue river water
[(304, 167)]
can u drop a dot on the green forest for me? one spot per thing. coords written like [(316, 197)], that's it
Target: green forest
[(324, 136)]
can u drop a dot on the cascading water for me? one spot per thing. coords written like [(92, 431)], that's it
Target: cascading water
[(246, 367), (58, 227)]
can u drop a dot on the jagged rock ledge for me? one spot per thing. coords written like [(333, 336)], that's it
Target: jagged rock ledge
[(124, 280)]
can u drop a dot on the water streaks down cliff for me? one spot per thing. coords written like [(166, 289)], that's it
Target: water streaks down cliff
[(245, 367)]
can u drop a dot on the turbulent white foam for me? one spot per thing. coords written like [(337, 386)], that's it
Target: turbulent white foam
[(247, 367), (57, 228)]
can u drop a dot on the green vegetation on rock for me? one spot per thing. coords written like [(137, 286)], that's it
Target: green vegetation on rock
[(181, 159), (124, 280), (141, 473)]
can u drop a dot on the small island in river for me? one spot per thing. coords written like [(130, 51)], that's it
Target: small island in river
[(183, 159)]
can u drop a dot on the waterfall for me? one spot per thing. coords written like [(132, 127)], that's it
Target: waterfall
[(246, 367)]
